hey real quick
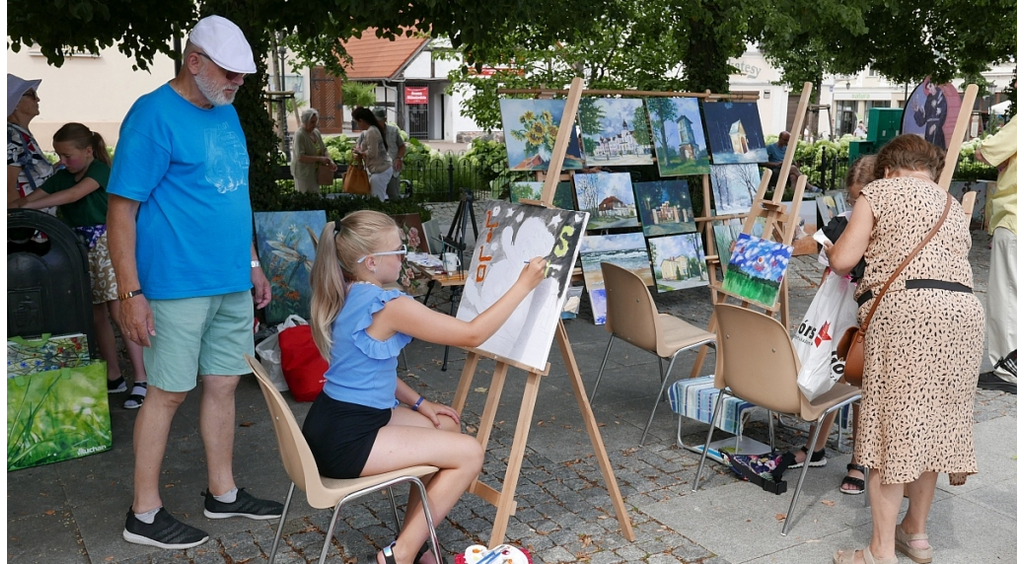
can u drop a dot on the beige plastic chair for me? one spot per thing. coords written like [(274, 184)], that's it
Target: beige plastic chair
[(757, 363), (323, 492), (633, 317)]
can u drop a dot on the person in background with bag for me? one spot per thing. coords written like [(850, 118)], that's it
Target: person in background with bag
[(79, 189), (27, 168), (309, 153), (922, 348), (861, 173), (367, 420), (372, 152), (396, 149)]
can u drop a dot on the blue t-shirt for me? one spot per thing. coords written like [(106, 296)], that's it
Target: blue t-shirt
[(189, 168), (362, 369), (776, 154)]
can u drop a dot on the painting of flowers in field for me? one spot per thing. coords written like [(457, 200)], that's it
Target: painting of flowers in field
[(286, 256), (678, 136), (531, 127), (615, 131), (756, 269)]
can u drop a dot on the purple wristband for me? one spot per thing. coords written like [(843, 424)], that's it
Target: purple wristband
[(416, 406)]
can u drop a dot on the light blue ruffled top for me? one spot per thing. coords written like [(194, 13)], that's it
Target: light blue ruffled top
[(362, 369)]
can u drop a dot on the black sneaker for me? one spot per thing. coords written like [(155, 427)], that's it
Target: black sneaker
[(245, 505), (165, 532), (116, 386), (989, 381)]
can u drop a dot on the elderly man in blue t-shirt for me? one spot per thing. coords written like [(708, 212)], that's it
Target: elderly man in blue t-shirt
[(180, 231), (777, 154)]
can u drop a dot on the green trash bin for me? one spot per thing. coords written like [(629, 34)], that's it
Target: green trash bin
[(883, 125), (860, 148)]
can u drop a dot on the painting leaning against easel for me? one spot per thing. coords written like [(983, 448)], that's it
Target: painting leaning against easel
[(678, 136), (512, 235), (531, 128), (627, 250), (734, 133), (286, 255), (678, 262), (615, 131), (756, 269)]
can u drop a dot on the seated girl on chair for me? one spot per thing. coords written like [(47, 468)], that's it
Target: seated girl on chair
[(368, 421)]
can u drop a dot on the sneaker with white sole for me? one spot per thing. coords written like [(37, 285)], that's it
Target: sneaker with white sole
[(165, 532), (116, 386), (245, 505)]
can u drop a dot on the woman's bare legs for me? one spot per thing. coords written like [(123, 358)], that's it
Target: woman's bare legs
[(410, 439), (885, 507), (921, 492)]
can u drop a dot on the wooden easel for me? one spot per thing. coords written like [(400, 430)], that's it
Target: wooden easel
[(779, 225), (504, 500)]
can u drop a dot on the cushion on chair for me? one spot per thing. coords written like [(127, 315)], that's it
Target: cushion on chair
[(695, 398)]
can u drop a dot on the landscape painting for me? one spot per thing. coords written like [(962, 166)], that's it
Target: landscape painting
[(664, 207), (756, 269), (678, 262), (726, 233), (734, 187), (608, 198), (734, 133), (627, 250), (531, 127), (532, 191), (286, 254), (512, 235), (678, 136), (615, 131)]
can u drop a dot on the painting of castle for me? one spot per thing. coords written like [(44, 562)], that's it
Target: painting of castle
[(615, 131), (678, 262), (734, 133), (664, 207), (608, 198), (678, 136)]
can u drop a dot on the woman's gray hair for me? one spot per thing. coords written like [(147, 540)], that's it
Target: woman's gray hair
[(307, 114)]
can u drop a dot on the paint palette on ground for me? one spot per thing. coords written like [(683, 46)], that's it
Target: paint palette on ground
[(534, 190), (286, 254), (664, 207), (734, 133), (531, 127), (512, 235), (734, 187), (627, 250), (678, 136), (756, 269), (678, 262), (608, 198), (615, 132)]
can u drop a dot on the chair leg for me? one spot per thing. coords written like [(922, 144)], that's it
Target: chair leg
[(664, 381), (280, 524), (707, 443), (600, 372), (330, 530), (434, 545), (771, 430), (394, 509)]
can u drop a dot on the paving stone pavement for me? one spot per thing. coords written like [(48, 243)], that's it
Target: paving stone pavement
[(74, 511)]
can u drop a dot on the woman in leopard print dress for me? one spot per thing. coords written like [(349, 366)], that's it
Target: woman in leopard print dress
[(923, 346)]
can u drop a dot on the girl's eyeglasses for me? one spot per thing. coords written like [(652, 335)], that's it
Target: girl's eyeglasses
[(403, 250)]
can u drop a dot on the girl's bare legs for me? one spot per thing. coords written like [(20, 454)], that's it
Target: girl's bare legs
[(823, 438), (105, 340), (410, 439)]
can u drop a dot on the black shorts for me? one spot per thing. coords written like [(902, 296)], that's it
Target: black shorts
[(341, 435)]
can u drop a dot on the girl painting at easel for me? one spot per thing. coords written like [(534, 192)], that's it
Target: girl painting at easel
[(367, 421)]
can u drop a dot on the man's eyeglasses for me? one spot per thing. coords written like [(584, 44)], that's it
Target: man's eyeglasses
[(230, 75), (31, 94), (403, 250)]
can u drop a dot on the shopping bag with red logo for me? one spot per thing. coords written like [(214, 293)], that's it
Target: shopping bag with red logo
[(832, 310), (301, 363)]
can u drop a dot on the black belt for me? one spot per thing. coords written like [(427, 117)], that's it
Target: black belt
[(921, 283)]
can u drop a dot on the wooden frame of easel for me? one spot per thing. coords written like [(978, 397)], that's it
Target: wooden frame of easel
[(504, 500)]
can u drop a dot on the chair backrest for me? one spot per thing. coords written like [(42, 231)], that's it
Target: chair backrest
[(295, 453), (756, 359), (632, 315)]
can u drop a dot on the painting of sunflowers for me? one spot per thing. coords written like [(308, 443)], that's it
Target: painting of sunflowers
[(286, 255), (531, 127)]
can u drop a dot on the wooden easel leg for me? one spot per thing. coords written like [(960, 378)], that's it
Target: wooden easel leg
[(595, 435), (465, 381), (506, 501)]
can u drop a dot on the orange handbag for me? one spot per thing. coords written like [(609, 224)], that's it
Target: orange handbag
[(357, 181)]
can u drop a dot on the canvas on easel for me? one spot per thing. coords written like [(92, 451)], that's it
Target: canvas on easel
[(756, 269), (512, 235), (531, 127)]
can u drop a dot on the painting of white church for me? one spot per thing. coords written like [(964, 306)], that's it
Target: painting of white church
[(615, 131)]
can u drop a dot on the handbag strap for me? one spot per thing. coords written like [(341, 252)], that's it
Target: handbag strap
[(906, 261)]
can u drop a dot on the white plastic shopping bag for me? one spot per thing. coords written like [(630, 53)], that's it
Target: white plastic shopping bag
[(269, 351), (832, 310)]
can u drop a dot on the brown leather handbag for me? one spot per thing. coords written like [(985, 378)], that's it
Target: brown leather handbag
[(851, 344), (357, 181)]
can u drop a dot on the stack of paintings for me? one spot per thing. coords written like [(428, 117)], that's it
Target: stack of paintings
[(615, 132), (626, 250), (734, 133), (678, 136), (531, 127)]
